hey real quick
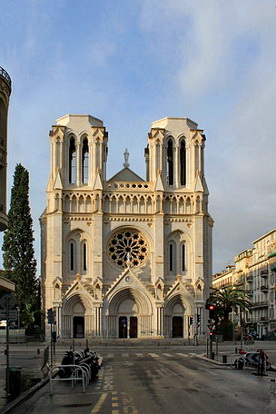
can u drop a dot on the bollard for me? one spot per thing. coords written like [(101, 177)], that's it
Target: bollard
[(224, 359), (38, 351), (212, 355), (236, 350)]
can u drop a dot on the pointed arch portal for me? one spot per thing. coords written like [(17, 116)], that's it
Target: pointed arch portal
[(130, 314)]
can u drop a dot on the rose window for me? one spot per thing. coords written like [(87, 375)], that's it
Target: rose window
[(128, 246)]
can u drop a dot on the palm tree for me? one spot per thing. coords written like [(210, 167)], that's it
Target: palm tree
[(227, 300)]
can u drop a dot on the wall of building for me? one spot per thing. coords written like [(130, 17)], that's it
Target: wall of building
[(5, 91), (113, 248), (255, 272)]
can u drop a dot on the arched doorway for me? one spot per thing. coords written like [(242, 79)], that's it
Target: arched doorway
[(78, 327), (132, 308), (128, 327), (128, 323), (175, 318)]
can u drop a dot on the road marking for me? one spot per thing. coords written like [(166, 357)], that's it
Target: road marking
[(154, 355), (183, 355), (110, 355), (167, 355), (139, 355), (99, 404), (212, 372), (125, 355)]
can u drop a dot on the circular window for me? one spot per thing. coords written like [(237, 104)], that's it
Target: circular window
[(129, 246)]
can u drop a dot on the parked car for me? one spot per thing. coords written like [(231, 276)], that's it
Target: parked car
[(269, 336)]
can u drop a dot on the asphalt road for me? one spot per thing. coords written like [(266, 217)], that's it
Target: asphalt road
[(135, 381)]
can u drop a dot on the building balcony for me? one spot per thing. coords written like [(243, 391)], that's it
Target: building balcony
[(256, 305), (5, 76), (249, 292), (3, 219), (264, 273), (264, 318), (249, 319), (264, 288), (249, 279), (273, 267), (2, 158)]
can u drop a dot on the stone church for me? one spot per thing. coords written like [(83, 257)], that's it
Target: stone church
[(126, 257)]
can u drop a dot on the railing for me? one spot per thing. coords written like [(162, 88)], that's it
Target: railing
[(5, 75), (259, 304), (129, 186), (249, 278), (264, 318), (79, 373), (264, 273)]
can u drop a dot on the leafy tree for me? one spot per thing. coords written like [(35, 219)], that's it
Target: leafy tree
[(226, 300), (18, 257)]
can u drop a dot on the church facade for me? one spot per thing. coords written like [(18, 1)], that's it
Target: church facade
[(126, 257)]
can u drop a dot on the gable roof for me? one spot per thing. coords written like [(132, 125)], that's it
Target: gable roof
[(126, 175)]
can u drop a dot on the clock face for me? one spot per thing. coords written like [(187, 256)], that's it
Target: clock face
[(128, 246)]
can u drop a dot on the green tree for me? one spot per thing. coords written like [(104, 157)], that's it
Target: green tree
[(226, 300), (18, 251)]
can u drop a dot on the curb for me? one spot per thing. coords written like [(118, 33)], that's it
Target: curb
[(24, 396), (204, 358)]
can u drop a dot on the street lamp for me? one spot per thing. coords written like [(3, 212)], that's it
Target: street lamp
[(18, 322)]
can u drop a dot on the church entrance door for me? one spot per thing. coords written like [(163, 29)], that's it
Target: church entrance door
[(78, 326), (177, 327), (133, 327), (123, 327)]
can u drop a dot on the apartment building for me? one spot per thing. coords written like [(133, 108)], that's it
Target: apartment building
[(255, 272)]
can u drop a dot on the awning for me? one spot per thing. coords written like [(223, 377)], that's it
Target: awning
[(271, 255)]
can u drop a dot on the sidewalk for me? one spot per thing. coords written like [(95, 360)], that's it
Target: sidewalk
[(27, 356)]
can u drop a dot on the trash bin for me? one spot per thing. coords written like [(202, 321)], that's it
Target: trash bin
[(14, 381)]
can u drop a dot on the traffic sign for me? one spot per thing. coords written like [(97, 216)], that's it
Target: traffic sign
[(7, 299), (51, 315), (12, 315)]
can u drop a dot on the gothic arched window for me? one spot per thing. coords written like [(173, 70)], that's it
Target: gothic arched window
[(170, 162), (183, 257), (85, 158), (172, 256), (84, 256), (72, 161), (182, 163), (72, 255)]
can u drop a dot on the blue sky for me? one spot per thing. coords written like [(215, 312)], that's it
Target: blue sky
[(130, 62)]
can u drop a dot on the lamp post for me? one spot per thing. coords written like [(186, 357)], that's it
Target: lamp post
[(18, 322)]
